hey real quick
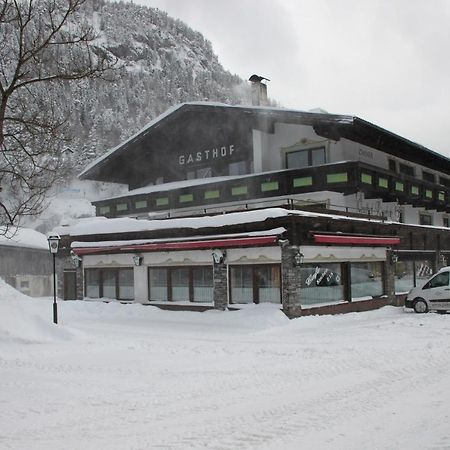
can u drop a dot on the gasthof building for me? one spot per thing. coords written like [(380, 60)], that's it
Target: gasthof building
[(234, 205)]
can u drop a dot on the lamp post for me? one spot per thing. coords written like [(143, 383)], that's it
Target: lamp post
[(53, 245)]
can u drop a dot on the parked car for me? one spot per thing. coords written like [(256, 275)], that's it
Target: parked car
[(434, 295)]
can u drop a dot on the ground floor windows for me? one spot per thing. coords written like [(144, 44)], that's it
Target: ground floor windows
[(255, 284), (117, 283), (366, 279), (174, 284), (321, 283), (411, 273)]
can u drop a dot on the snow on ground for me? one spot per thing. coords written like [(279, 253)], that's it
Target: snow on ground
[(114, 376)]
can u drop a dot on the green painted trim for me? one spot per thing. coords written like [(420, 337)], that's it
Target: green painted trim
[(303, 181), (122, 207), (341, 177), (186, 198), (239, 190), (366, 178), (270, 186), (415, 190), (428, 193), (162, 201), (104, 209), (209, 195), (140, 204), (399, 186), (383, 182)]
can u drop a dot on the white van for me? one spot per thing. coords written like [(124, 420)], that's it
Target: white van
[(434, 295)]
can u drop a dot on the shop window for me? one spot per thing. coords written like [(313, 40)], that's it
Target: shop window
[(415, 190), (305, 158), (140, 204), (104, 209), (366, 178), (269, 186), (406, 170), (366, 279), (115, 283), (302, 181), (321, 283), (122, 207), (425, 219), (427, 176), (383, 182), (410, 273), (341, 177), (189, 284), (239, 190), (255, 284), (162, 201), (186, 198), (202, 284), (211, 195)]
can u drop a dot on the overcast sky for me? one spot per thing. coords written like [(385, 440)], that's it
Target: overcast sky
[(385, 61)]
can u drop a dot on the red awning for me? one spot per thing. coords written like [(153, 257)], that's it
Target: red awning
[(345, 239), (183, 245)]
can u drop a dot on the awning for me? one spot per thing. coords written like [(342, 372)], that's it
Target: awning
[(181, 245), (350, 239)]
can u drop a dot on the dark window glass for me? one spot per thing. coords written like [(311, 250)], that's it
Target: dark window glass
[(392, 165), (446, 222), (317, 156), (439, 280), (406, 170), (444, 181), (305, 158), (427, 176), (425, 219)]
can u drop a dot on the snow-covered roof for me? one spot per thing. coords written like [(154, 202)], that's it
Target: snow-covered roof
[(23, 237)]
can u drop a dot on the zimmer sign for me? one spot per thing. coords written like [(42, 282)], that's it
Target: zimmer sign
[(209, 155)]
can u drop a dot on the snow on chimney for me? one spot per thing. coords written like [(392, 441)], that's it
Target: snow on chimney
[(259, 90)]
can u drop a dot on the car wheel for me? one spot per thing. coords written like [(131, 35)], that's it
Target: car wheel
[(420, 306)]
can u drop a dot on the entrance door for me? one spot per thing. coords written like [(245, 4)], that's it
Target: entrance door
[(70, 285)]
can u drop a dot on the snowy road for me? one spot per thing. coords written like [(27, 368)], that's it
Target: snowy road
[(133, 377)]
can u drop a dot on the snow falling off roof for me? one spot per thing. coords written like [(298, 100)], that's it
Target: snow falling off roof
[(23, 237)]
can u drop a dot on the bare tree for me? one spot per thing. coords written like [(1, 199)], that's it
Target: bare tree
[(44, 45)]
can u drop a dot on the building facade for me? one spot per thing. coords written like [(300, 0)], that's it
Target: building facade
[(231, 205)]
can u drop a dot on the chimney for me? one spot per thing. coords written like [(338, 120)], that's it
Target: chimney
[(259, 90)]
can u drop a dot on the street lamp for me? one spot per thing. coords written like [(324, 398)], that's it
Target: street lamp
[(53, 245)]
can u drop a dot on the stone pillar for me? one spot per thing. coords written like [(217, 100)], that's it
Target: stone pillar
[(290, 281), (389, 277), (220, 282)]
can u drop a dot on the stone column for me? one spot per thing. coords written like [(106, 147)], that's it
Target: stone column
[(389, 277), (290, 281), (220, 283)]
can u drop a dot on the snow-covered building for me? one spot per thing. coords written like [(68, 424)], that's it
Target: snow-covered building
[(25, 261), (229, 205)]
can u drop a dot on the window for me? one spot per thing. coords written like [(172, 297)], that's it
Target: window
[(427, 176), (441, 196), (366, 279), (189, 284), (415, 190), (399, 186), (117, 283), (302, 181), (269, 186), (444, 181), (211, 195), (162, 201), (237, 168), (366, 178), (122, 207), (239, 190), (392, 165), (406, 170), (425, 219), (337, 177), (255, 284), (445, 222), (140, 204), (305, 158), (186, 198), (383, 182), (428, 193), (104, 209), (439, 280), (321, 283)]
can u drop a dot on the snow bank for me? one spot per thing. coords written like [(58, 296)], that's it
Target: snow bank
[(25, 319)]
